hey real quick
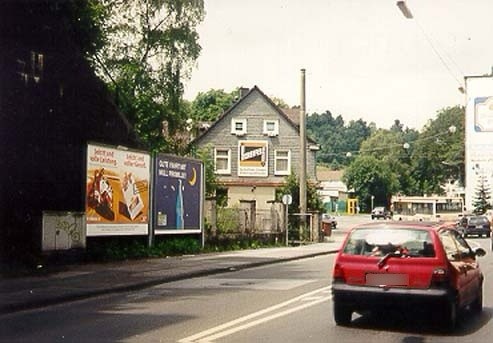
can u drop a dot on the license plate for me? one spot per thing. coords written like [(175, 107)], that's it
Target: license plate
[(387, 279)]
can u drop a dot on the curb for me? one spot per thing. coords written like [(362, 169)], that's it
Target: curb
[(12, 308)]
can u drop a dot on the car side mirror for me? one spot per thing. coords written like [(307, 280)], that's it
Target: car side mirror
[(479, 251)]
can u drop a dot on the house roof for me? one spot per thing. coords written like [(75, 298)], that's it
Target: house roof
[(288, 114), (326, 174), (293, 114)]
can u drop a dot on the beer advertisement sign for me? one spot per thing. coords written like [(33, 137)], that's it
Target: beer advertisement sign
[(253, 158)]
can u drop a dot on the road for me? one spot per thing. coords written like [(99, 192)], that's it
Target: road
[(289, 302)]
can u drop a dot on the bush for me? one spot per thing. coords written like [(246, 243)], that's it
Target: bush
[(122, 248), (227, 219)]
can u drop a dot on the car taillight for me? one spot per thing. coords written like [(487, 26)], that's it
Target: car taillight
[(338, 274), (440, 277)]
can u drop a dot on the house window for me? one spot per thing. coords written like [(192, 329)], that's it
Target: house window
[(282, 162), (271, 127), (239, 127), (222, 161)]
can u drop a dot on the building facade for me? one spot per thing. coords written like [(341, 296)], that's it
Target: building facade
[(256, 145)]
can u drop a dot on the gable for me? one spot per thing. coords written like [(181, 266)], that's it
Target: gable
[(256, 106)]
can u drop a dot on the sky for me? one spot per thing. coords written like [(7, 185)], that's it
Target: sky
[(363, 58)]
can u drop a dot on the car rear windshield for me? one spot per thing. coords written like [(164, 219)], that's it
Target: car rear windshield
[(382, 241), (478, 220)]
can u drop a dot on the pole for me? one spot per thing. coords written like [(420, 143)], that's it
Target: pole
[(150, 225), (286, 223), (303, 206)]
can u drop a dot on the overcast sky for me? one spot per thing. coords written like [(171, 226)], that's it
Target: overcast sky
[(363, 58)]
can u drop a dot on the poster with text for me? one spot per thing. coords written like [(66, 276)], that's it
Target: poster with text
[(253, 158), (178, 194), (478, 137), (117, 191)]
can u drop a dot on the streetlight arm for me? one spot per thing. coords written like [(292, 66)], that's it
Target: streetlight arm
[(404, 9)]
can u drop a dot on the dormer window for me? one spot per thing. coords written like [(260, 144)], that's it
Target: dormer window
[(271, 128), (239, 127)]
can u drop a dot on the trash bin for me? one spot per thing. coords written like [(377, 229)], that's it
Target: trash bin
[(327, 228)]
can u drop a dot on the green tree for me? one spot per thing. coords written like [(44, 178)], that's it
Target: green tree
[(279, 102), (392, 148), (206, 156), (482, 199), (292, 186), (368, 176), (438, 152), (151, 47), (336, 138), (210, 105)]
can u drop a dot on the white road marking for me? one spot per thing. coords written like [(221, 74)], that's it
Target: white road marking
[(258, 317)]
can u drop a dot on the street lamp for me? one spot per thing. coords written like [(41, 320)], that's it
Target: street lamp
[(404, 9)]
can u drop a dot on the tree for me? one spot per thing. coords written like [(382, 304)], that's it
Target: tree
[(279, 102), (368, 176), (210, 105), (151, 46), (292, 186), (335, 138), (438, 152), (207, 158), (391, 148), (482, 199)]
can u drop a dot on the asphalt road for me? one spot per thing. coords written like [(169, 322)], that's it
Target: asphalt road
[(288, 302)]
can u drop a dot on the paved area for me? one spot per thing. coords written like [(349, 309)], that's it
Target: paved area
[(83, 281)]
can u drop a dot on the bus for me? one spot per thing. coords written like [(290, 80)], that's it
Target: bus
[(427, 208)]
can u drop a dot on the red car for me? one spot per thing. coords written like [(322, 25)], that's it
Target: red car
[(406, 266)]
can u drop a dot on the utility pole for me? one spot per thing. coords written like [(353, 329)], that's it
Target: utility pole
[(303, 207)]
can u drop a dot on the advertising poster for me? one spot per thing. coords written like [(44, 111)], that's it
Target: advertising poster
[(117, 191), (479, 136), (253, 158), (178, 195)]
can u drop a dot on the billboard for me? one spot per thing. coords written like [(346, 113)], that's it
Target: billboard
[(117, 191), (253, 158), (178, 194), (478, 136)]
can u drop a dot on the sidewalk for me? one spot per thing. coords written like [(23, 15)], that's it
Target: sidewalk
[(83, 281)]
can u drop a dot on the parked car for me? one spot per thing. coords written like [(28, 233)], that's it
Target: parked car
[(475, 226), (380, 212), (489, 215), (407, 266)]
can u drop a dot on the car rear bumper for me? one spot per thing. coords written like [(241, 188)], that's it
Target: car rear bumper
[(471, 231), (367, 297)]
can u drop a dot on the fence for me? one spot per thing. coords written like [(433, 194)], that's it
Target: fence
[(266, 224)]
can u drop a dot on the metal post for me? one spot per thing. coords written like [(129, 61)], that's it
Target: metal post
[(150, 225), (303, 207), (286, 223)]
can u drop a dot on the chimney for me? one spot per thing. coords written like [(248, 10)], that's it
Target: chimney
[(243, 91)]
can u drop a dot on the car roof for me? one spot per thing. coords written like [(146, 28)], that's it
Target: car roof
[(422, 225)]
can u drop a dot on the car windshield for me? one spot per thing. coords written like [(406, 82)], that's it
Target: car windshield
[(381, 241), (478, 220)]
